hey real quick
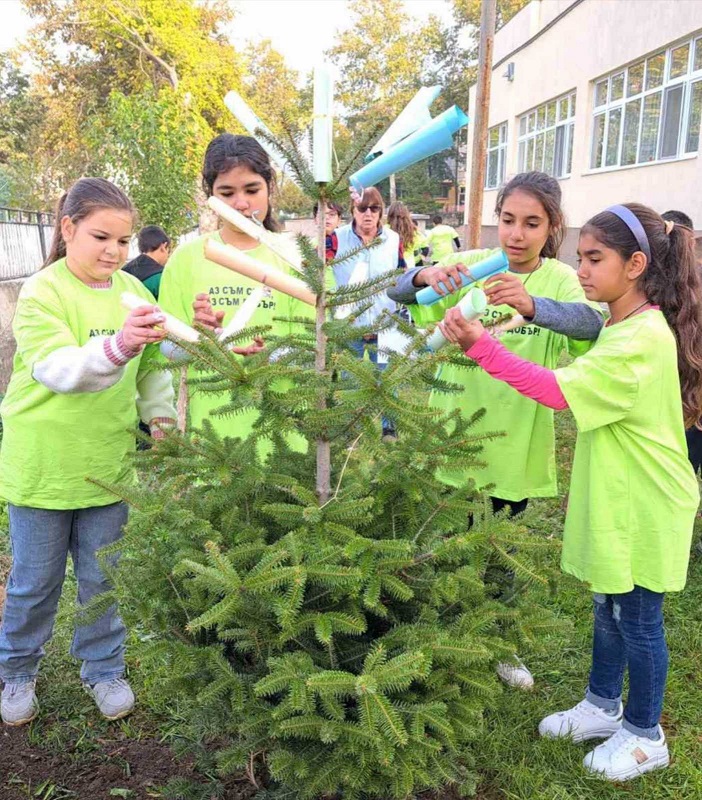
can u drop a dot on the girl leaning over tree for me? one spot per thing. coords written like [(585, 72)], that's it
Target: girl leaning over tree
[(558, 318), (633, 494)]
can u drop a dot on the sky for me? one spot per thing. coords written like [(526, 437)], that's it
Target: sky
[(299, 29)]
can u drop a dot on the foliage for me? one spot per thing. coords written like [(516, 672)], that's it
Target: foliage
[(381, 58), (148, 144), (467, 12), (418, 186), (271, 88), (338, 643)]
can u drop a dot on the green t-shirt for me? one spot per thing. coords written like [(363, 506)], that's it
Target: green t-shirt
[(189, 273), (633, 494), (52, 442), (440, 239), (153, 284), (521, 463)]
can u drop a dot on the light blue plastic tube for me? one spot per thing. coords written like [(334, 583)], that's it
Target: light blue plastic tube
[(492, 265), (430, 139)]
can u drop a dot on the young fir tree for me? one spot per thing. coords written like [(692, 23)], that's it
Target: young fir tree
[(322, 620)]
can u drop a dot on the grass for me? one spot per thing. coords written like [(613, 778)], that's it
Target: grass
[(514, 763)]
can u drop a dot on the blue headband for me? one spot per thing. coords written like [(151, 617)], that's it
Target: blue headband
[(634, 225)]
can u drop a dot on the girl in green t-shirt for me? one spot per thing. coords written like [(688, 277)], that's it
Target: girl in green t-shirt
[(522, 463), (633, 495), (83, 374), (238, 172)]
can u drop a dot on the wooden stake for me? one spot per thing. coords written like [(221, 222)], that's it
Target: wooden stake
[(474, 207)]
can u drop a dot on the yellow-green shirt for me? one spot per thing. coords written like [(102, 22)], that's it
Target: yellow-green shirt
[(440, 239), (53, 442), (521, 463), (189, 273), (633, 494)]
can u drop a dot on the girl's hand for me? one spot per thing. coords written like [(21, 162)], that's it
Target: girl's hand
[(457, 330), (507, 289), (256, 346), (138, 329), (443, 280), (205, 315)]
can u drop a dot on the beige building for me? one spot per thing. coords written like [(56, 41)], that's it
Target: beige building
[(606, 95)]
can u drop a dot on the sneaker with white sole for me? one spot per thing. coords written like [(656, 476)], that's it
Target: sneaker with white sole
[(625, 755), (516, 674), (19, 703), (582, 722), (114, 699)]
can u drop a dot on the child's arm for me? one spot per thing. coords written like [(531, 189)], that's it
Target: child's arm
[(57, 361), (573, 319), (531, 380), (444, 280), (156, 397)]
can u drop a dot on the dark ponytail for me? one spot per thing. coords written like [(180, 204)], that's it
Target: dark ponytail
[(227, 151), (672, 281), (85, 196), (547, 191)]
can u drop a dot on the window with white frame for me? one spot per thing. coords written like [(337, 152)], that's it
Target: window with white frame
[(546, 137), (649, 111), (496, 155)]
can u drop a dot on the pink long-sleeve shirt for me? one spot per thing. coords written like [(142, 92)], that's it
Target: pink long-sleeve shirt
[(531, 380)]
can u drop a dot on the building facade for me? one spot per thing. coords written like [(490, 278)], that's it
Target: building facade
[(606, 95)]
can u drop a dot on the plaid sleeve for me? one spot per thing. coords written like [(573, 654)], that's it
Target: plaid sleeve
[(332, 246)]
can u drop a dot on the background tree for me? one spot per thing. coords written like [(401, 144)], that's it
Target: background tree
[(149, 143)]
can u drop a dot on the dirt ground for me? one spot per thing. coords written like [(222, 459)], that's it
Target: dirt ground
[(134, 770)]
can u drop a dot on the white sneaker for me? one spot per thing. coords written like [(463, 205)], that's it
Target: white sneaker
[(582, 722), (114, 699), (516, 674), (19, 703), (626, 755)]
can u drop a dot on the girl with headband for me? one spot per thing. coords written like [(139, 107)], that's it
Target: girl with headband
[(633, 494)]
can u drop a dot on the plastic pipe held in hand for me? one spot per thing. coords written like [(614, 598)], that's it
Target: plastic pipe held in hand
[(245, 312), (231, 258), (492, 265), (171, 325), (257, 232), (472, 307)]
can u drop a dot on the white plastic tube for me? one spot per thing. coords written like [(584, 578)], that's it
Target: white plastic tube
[(241, 319), (472, 307), (172, 325)]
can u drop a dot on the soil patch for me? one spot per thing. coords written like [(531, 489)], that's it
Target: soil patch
[(129, 769)]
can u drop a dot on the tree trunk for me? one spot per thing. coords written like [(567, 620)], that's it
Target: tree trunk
[(393, 189), (323, 482)]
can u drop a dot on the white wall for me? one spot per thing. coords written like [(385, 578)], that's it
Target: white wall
[(592, 39)]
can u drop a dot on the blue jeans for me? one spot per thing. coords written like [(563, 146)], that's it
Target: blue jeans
[(41, 540), (359, 348), (629, 634)]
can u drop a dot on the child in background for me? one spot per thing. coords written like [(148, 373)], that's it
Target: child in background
[(400, 221), (236, 170), (521, 464), (154, 249), (81, 362), (441, 239), (633, 494)]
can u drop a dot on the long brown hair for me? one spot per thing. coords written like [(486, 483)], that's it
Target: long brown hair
[(85, 196), (672, 281), (547, 191), (400, 221)]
